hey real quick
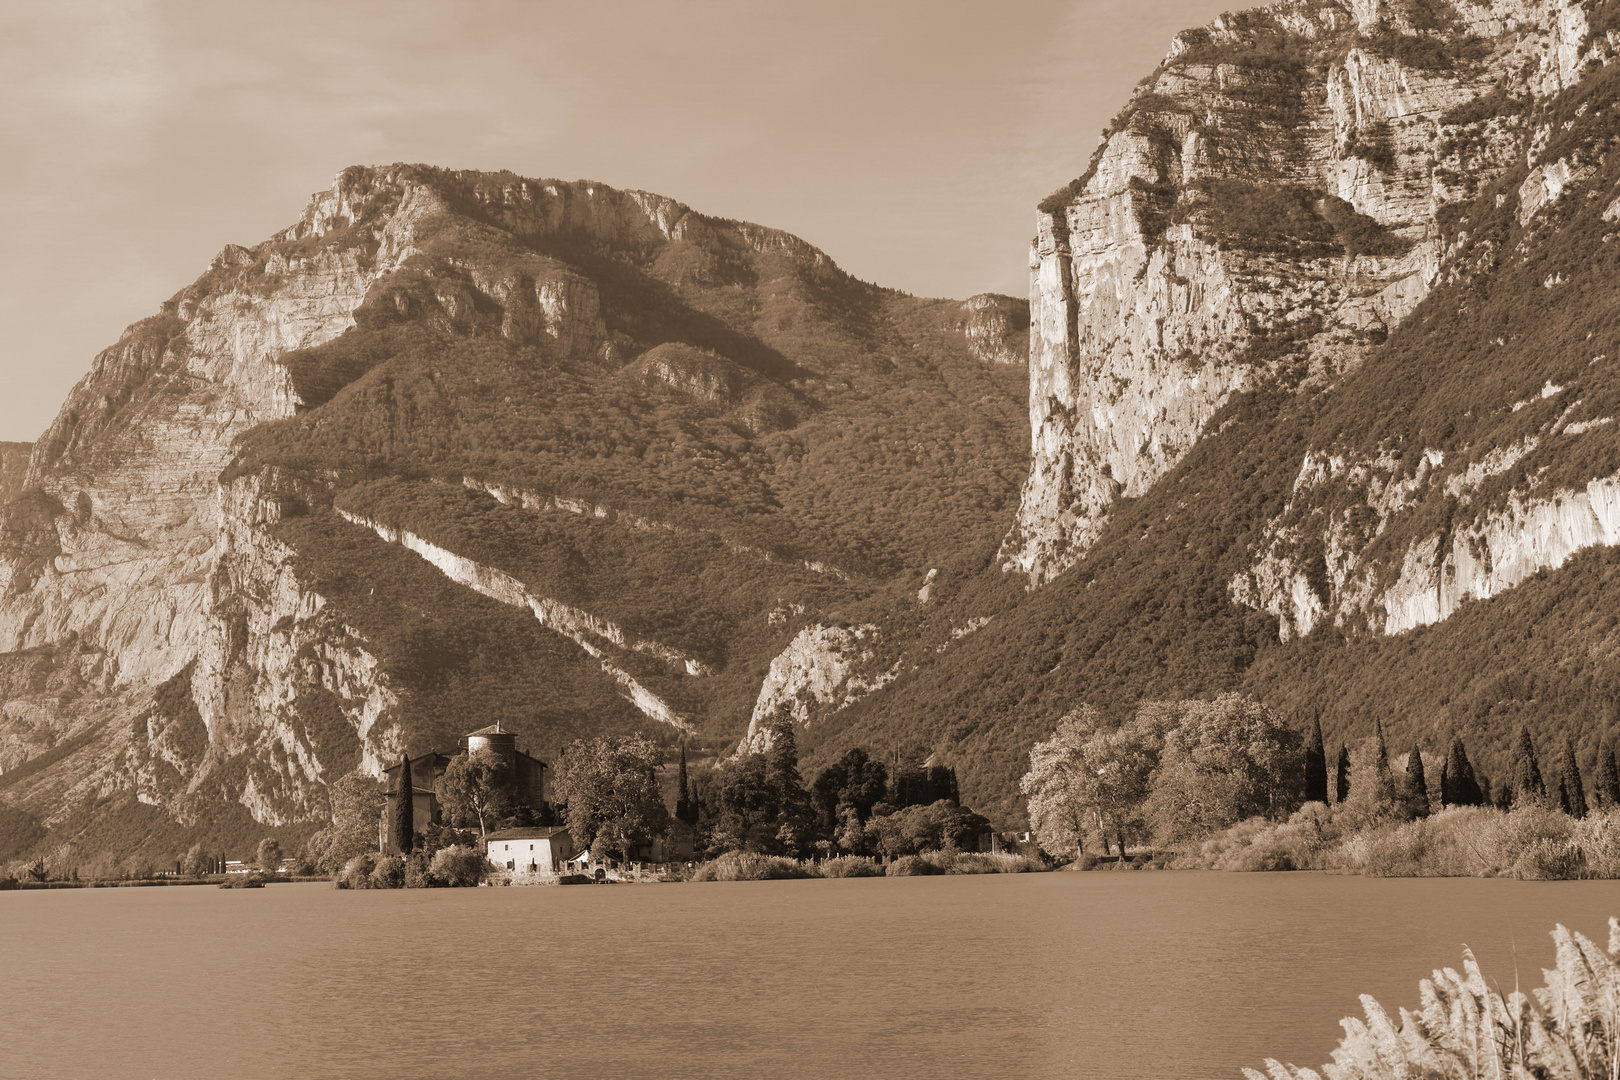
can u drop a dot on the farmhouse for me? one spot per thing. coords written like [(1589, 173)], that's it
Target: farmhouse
[(530, 851)]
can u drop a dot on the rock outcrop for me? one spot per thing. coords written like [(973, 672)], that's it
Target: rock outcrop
[(13, 469), (1266, 208)]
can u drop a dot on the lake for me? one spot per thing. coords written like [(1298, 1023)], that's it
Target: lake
[(1100, 975)]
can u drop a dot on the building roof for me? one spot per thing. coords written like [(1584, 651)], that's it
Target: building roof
[(493, 729), (525, 834)]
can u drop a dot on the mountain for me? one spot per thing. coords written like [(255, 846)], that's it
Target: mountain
[(463, 447), (1322, 395), (1319, 406)]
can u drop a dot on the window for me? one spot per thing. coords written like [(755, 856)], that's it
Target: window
[(510, 865)]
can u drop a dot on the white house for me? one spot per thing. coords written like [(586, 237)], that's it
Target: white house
[(529, 851)]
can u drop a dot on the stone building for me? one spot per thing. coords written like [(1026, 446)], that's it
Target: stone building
[(541, 851), (529, 778)]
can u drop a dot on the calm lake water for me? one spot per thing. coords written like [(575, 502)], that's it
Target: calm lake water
[(1101, 975)]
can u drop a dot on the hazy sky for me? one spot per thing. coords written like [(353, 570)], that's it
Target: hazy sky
[(910, 139)]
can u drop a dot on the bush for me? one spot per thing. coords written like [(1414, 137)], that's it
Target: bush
[(913, 866), (356, 873), (459, 867), (751, 866), (978, 862), (850, 866), (389, 873)]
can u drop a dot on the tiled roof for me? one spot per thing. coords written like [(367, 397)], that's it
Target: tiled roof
[(525, 834)]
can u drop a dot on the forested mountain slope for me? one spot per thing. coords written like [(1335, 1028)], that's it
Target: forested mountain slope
[(1323, 391), (459, 447)]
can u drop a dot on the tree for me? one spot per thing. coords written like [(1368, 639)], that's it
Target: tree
[(1417, 784), (194, 863), (1528, 787), (476, 788), (1091, 778), (782, 769), (1226, 760), (611, 787), (402, 829), (269, 855), (1373, 793), (1316, 770), (1606, 784), (686, 807), (356, 803), (1572, 792), (853, 782), (1341, 775), (1458, 785)]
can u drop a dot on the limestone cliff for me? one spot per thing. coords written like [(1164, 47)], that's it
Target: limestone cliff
[(1266, 208)]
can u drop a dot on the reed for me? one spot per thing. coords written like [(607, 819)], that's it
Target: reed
[(1466, 1030)]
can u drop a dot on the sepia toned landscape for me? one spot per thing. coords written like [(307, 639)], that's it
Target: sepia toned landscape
[(1226, 625)]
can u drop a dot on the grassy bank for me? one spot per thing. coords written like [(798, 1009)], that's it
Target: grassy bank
[(1532, 843), (751, 866)]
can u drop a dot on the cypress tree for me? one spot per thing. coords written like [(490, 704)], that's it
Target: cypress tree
[(404, 810), (1573, 795), (1417, 782), (685, 806), (1341, 786), (1606, 785), (1459, 786), (1316, 774), (1528, 786)]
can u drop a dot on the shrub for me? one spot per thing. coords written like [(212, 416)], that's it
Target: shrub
[(459, 867), (978, 862), (751, 866), (850, 866), (913, 866), (389, 873), (356, 873)]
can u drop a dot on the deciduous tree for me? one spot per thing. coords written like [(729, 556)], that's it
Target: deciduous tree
[(610, 785), (1225, 760), (476, 787)]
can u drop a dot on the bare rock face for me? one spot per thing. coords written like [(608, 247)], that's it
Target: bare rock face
[(822, 669), (1265, 209), (997, 328), (13, 468)]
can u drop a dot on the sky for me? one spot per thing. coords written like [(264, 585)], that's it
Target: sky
[(909, 139)]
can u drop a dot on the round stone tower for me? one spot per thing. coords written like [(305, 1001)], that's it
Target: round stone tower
[(495, 739)]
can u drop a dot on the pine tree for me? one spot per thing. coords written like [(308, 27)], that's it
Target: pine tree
[(1460, 787), (1316, 774), (782, 771), (404, 831), (1573, 796), (685, 806), (1341, 786), (1417, 783), (1528, 786), (1606, 784)]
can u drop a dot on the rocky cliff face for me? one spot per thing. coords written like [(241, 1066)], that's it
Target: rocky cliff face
[(13, 468), (1266, 208)]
